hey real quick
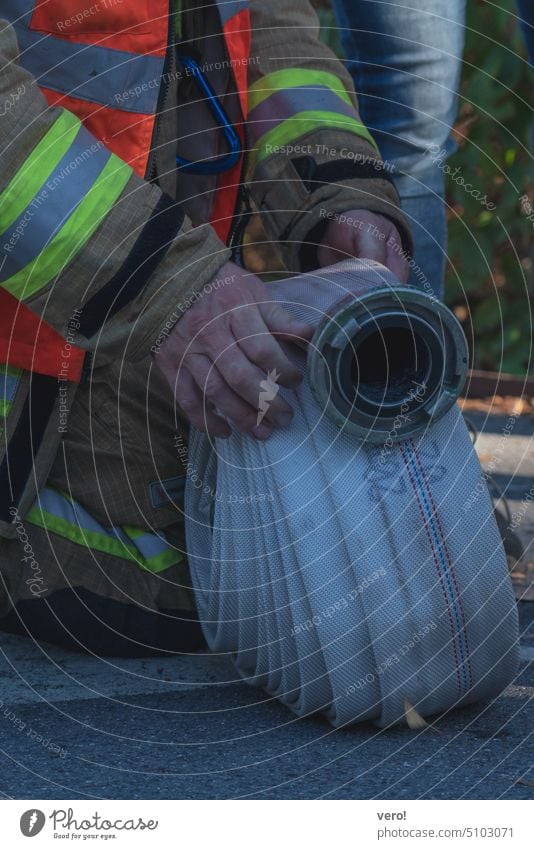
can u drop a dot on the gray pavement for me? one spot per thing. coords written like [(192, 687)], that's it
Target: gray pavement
[(183, 728)]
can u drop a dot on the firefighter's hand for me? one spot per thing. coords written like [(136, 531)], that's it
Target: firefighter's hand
[(222, 348), (364, 234)]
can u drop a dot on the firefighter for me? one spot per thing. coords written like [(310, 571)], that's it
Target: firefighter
[(134, 138)]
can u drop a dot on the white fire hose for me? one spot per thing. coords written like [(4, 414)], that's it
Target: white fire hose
[(351, 563)]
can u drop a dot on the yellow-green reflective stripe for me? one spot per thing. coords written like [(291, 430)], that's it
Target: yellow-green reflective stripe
[(11, 371), (101, 542), (303, 123), (76, 231), (291, 78), (33, 173), (107, 544), (166, 556), (81, 536), (9, 383), (162, 561)]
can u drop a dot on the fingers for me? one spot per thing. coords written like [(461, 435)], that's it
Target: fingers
[(219, 353), (396, 260), (371, 247), (212, 384), (369, 236), (245, 379), (191, 401), (260, 347)]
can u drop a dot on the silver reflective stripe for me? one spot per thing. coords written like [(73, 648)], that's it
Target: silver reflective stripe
[(150, 545), (55, 201), (8, 384), (229, 8), (286, 103), (114, 78), (66, 517), (57, 504)]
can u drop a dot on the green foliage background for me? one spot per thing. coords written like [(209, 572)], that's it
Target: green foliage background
[(490, 280)]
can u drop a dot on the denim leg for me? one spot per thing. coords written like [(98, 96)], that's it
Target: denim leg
[(525, 10), (405, 60)]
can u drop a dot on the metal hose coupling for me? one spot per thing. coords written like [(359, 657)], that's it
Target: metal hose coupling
[(386, 359)]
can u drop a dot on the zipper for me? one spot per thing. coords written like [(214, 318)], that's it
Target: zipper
[(240, 219), (163, 96)]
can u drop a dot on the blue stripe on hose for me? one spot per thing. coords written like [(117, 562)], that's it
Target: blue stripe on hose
[(462, 642)]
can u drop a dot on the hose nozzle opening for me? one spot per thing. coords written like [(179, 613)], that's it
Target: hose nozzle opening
[(387, 362)]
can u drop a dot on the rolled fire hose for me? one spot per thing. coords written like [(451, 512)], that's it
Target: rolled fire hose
[(351, 564)]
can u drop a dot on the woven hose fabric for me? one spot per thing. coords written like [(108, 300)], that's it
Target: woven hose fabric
[(344, 577)]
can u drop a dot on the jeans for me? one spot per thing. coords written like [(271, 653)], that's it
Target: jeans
[(525, 10), (405, 60)]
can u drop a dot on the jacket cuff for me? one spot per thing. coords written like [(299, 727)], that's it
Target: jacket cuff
[(296, 187)]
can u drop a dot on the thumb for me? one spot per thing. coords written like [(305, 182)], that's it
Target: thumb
[(372, 247)]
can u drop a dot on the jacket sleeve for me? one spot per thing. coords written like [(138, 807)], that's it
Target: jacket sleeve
[(82, 235), (310, 154)]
